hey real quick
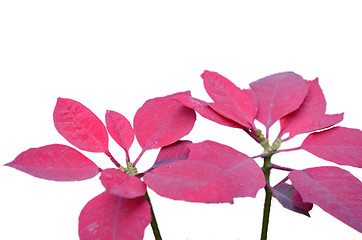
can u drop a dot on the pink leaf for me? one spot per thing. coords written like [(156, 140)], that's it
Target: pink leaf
[(278, 95), (171, 153), (55, 162), (246, 177), (310, 116), (109, 217), (162, 121), (119, 183), (80, 126), (290, 198), (334, 190), (339, 145), (230, 101), (211, 173), (120, 129), (193, 181), (206, 111)]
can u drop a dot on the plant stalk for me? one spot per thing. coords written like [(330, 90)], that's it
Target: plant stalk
[(112, 158), (154, 225), (268, 196)]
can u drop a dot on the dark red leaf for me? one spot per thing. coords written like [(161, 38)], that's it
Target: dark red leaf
[(334, 190), (120, 129), (290, 198), (109, 217), (206, 111), (171, 153), (193, 181), (55, 162), (119, 183), (278, 95), (339, 145), (298, 201), (80, 126), (230, 101), (310, 116), (162, 121), (246, 177)]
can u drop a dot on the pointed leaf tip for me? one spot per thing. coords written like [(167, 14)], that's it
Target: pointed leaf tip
[(204, 109), (290, 198), (80, 126), (55, 162), (278, 95), (310, 116), (230, 101)]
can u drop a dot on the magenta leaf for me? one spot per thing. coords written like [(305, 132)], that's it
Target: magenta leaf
[(206, 111), (109, 217), (55, 162), (120, 129), (212, 173), (193, 181), (162, 121), (339, 145), (334, 190), (290, 198), (171, 153), (310, 116), (278, 95), (80, 126), (119, 183), (246, 177), (230, 101)]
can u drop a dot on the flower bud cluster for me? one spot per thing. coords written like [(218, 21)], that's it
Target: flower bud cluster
[(130, 169), (268, 150)]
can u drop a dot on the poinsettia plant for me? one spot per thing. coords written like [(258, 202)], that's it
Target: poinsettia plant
[(123, 210), (206, 172), (299, 106)]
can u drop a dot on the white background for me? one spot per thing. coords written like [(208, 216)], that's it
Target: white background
[(115, 55)]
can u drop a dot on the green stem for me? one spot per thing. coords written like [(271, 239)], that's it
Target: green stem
[(268, 196), (156, 231)]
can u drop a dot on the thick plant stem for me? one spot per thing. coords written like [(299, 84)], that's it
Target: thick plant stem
[(268, 196), (156, 231)]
